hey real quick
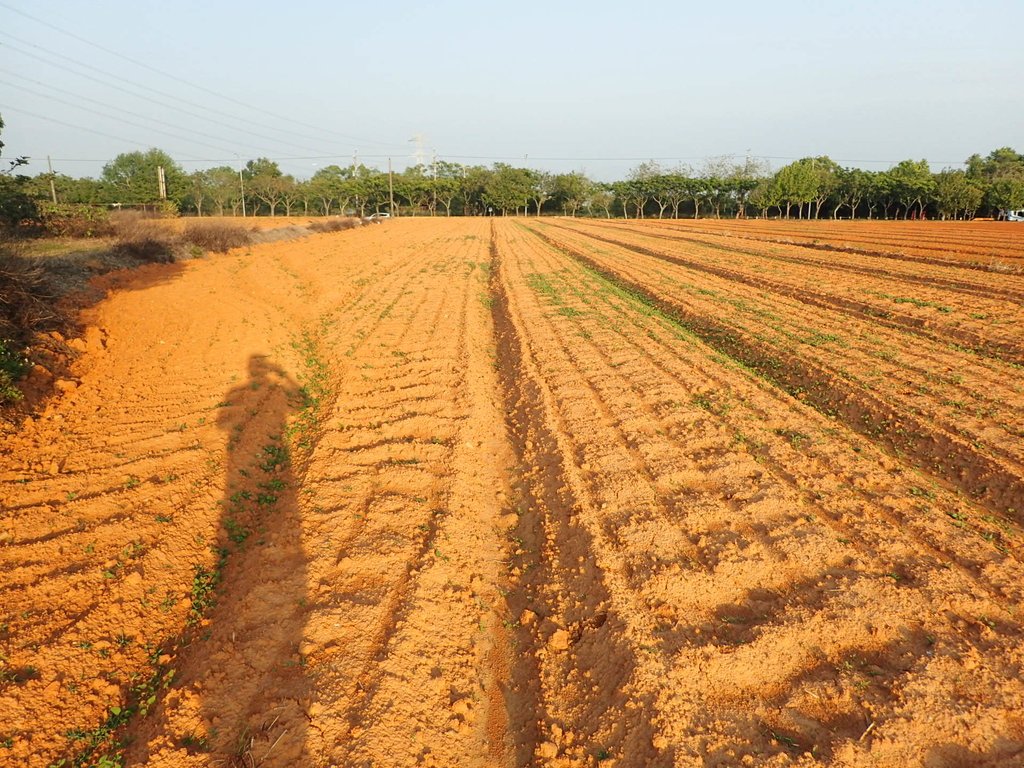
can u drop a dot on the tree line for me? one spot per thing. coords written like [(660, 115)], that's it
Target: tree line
[(813, 187)]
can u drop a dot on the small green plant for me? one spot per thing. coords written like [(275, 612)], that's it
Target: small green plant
[(274, 457), (237, 532), (204, 582)]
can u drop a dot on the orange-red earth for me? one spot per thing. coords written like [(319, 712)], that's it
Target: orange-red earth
[(470, 492)]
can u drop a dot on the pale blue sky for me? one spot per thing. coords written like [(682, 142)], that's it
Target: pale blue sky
[(595, 86)]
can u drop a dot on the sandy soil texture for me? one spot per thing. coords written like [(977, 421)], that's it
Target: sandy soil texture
[(545, 492)]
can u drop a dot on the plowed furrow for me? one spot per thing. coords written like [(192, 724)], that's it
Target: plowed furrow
[(941, 451), (952, 249), (576, 694), (1010, 351), (879, 265), (729, 565)]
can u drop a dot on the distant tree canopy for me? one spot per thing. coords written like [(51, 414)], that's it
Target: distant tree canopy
[(811, 187), (132, 177)]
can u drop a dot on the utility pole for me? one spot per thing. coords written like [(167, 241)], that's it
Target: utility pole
[(53, 189), (391, 189), (241, 187), (433, 164), (161, 181), (355, 161)]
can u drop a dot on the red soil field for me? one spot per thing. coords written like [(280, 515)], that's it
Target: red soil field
[(529, 492)]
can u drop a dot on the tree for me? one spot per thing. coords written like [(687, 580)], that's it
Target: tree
[(415, 188), (223, 188), (543, 188), (1007, 192), (999, 175), (766, 195), (290, 194), (571, 191), (471, 189), (912, 184), (508, 188), (826, 174), (131, 178), (809, 181), (955, 193), (263, 179), (327, 185), (852, 186), (743, 180), (796, 185), (198, 190), (602, 198), (446, 189), (697, 190), (639, 188)]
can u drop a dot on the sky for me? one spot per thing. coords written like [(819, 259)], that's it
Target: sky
[(559, 86)]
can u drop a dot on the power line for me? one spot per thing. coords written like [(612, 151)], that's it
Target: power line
[(202, 116), (125, 122), (159, 103), (82, 128), (191, 84)]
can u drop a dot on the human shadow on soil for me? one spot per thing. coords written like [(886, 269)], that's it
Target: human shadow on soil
[(241, 689)]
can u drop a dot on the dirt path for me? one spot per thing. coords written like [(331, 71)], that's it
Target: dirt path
[(439, 493)]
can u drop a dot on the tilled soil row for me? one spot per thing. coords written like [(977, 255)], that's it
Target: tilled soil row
[(572, 684), (439, 493), (938, 451), (709, 509), (972, 397), (341, 526), (398, 641), (1010, 351), (997, 243), (879, 266)]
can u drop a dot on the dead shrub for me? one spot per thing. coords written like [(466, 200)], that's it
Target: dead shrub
[(334, 224), (143, 238), (218, 236), (28, 297), (28, 303)]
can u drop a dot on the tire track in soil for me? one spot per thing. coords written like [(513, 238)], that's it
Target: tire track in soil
[(767, 449), (252, 708), (939, 452), (773, 644)]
